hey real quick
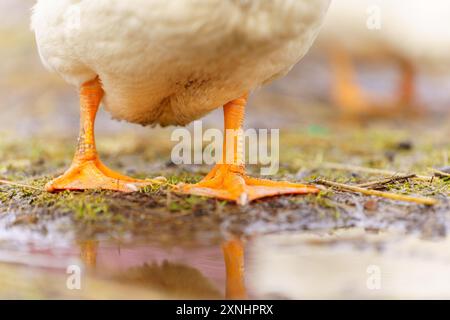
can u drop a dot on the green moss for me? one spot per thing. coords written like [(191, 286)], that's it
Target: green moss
[(88, 208)]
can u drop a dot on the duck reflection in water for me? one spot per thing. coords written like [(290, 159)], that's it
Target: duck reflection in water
[(178, 279)]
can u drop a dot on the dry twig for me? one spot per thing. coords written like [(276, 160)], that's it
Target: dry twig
[(15, 184), (380, 184), (369, 192), (439, 173), (346, 167)]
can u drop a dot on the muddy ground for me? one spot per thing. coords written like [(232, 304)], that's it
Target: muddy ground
[(401, 146)]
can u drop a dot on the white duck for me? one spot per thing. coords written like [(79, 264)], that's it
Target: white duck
[(414, 33), (170, 62)]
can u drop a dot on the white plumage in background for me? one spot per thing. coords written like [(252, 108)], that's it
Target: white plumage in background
[(170, 62)]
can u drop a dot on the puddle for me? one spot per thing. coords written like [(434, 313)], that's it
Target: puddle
[(347, 264), (148, 270), (350, 264)]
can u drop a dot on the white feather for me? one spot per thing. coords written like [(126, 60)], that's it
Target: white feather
[(172, 61)]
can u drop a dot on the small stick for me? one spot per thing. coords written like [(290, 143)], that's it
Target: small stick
[(15, 184), (345, 167), (388, 195), (439, 173), (381, 183)]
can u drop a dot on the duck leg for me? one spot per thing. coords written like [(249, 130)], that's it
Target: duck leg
[(346, 93), (233, 253), (406, 101), (88, 253), (87, 171), (354, 102), (228, 180)]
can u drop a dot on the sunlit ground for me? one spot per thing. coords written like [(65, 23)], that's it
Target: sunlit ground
[(156, 244)]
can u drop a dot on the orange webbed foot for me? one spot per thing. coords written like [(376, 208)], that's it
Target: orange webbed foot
[(93, 174), (87, 171), (229, 182)]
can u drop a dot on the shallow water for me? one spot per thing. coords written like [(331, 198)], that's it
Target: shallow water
[(347, 264), (164, 271)]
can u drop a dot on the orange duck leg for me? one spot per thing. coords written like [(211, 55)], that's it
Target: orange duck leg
[(233, 253), (88, 253), (87, 171), (354, 102), (228, 180)]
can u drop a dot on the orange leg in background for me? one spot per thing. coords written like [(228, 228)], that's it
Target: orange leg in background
[(354, 102), (87, 171), (346, 93), (406, 101), (233, 253), (228, 181)]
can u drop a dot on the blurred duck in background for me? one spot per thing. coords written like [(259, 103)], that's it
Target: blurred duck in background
[(414, 34), (170, 62)]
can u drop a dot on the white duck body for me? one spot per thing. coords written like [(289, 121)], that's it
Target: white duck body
[(172, 61), (416, 30)]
